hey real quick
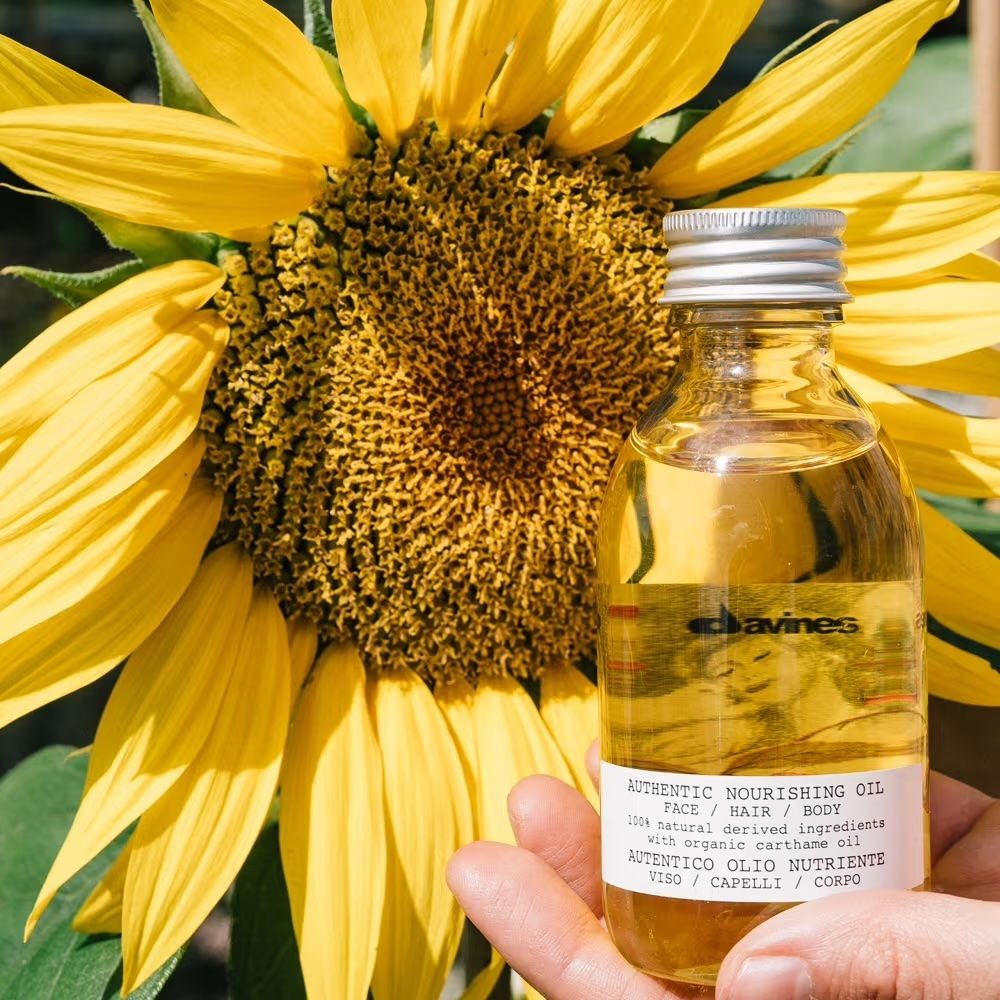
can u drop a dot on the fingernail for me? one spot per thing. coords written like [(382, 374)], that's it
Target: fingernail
[(772, 977)]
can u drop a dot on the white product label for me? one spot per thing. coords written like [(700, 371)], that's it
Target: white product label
[(761, 839)]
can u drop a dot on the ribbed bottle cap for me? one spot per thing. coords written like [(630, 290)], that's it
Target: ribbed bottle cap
[(755, 255)]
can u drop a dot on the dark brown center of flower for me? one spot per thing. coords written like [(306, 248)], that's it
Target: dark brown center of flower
[(429, 376)]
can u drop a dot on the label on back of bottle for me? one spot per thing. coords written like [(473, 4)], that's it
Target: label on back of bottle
[(762, 839), (763, 743)]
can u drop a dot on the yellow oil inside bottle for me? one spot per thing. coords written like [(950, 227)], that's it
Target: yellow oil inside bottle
[(759, 571)]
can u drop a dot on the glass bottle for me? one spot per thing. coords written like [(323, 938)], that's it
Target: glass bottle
[(763, 702)]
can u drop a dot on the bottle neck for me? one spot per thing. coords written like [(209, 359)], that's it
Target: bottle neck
[(751, 342), (758, 358)]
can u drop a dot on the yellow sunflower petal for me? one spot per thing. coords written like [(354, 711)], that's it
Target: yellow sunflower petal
[(972, 266), (101, 913), (429, 816), (303, 641), (157, 166), (259, 70), (896, 223), (160, 712), (502, 739), (648, 59), (569, 709), (27, 79), (114, 431), (548, 50), (909, 419), (96, 339), (87, 640), (749, 12), (953, 472), (191, 843), (455, 701), (511, 743), (954, 674), (332, 829), (913, 325), (468, 42), (976, 373), (963, 579), (977, 266), (46, 571), (806, 101), (379, 49)]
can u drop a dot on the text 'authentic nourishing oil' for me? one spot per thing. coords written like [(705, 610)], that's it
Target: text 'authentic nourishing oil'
[(762, 686)]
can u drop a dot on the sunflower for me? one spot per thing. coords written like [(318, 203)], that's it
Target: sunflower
[(321, 464)]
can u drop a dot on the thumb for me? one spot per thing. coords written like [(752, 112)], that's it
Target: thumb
[(910, 945)]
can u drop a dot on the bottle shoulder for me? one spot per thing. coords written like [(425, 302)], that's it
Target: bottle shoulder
[(743, 400), (756, 446), (719, 429)]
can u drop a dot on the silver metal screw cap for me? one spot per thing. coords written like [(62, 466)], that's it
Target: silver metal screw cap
[(743, 255)]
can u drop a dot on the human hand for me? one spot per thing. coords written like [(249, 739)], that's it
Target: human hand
[(540, 905)]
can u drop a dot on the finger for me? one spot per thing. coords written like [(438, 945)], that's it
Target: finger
[(558, 824), (955, 808), (971, 866), (594, 763), (870, 944), (542, 928)]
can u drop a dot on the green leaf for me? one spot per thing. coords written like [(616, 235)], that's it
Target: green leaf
[(972, 516), (75, 289), (983, 524), (38, 799), (425, 45), (826, 159), (317, 26), (152, 245), (358, 113), (177, 89), (654, 139), (151, 987), (69, 965), (924, 124), (926, 121), (263, 957)]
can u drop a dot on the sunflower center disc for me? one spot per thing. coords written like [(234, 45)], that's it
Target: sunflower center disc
[(429, 376)]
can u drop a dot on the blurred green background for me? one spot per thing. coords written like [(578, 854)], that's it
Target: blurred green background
[(926, 124)]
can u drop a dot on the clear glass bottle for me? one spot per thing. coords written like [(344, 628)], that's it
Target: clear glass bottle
[(763, 702)]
